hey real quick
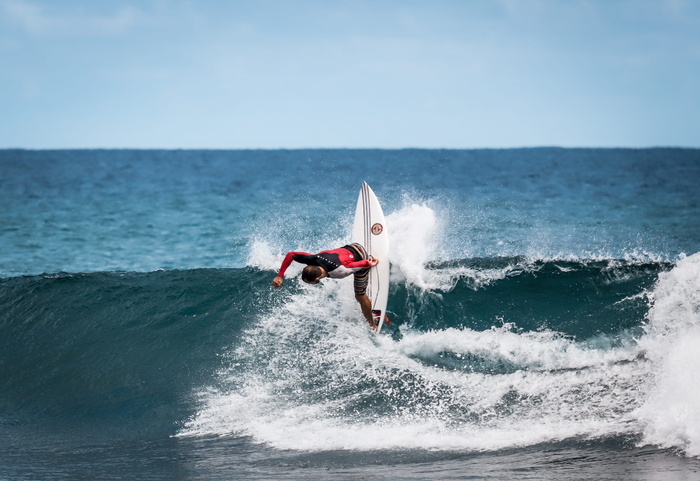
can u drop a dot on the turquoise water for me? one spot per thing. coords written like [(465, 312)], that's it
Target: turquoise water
[(544, 304)]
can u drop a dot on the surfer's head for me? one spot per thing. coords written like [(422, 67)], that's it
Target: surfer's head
[(311, 274)]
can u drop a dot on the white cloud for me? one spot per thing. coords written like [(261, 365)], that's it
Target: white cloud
[(39, 20)]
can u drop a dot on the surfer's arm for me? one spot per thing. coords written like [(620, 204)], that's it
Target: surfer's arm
[(363, 264), (292, 256)]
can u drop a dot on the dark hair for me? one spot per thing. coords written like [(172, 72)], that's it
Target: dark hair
[(311, 274)]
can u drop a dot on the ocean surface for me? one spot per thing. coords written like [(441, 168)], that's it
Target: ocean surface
[(545, 308)]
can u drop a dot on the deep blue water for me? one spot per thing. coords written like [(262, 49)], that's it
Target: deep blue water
[(545, 306)]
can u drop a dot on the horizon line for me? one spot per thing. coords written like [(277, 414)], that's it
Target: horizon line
[(353, 148)]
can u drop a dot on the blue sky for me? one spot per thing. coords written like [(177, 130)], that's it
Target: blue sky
[(387, 74)]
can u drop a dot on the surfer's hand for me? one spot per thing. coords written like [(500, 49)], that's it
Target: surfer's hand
[(277, 281), (374, 261)]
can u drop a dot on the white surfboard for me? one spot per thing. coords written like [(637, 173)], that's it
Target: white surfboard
[(369, 229)]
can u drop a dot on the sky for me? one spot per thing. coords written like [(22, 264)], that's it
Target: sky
[(270, 74)]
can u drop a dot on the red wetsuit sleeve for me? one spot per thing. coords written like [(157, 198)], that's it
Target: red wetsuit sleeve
[(361, 264), (348, 261), (288, 260)]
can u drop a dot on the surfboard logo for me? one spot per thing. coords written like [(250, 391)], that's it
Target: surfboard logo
[(377, 228)]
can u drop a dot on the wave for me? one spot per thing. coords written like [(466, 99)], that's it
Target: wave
[(121, 348), (670, 414), (583, 298), (482, 354), (305, 378)]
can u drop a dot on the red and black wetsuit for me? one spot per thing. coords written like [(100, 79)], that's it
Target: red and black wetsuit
[(338, 263)]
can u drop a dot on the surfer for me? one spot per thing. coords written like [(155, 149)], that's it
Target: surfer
[(336, 264)]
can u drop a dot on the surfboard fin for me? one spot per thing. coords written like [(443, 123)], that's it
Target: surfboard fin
[(377, 315)]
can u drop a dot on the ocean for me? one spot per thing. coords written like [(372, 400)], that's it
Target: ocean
[(545, 308)]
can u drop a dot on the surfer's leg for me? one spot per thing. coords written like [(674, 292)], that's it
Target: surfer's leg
[(366, 306), (360, 286)]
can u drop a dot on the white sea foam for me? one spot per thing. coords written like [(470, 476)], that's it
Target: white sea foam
[(414, 231), (307, 375), (544, 350), (262, 255), (292, 383), (671, 413), (417, 230)]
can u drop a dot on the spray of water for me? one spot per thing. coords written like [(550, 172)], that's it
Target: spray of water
[(310, 376), (670, 415)]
